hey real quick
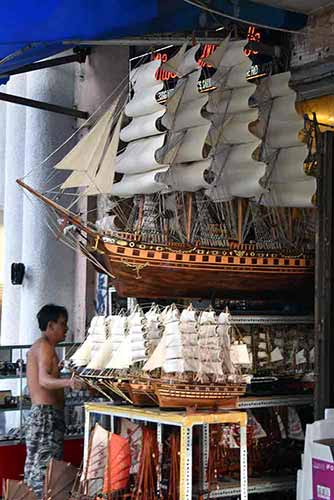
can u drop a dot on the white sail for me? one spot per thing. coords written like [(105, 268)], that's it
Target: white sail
[(189, 177), (285, 181), (144, 135), (144, 101), (142, 126), (83, 354), (181, 352), (143, 76), (296, 194), (237, 174), (139, 156), (209, 351), (87, 156), (146, 183), (188, 315), (100, 360), (188, 126), (121, 359), (107, 223), (104, 179), (184, 62), (137, 335), (97, 335), (172, 65), (157, 359)]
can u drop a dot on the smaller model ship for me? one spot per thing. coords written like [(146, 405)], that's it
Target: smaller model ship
[(195, 359), (113, 366), (163, 358)]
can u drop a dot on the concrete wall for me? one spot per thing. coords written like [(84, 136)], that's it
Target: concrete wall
[(97, 85), (54, 273), (316, 42)]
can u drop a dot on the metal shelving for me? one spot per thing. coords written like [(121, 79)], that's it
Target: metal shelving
[(271, 320), (185, 422), (258, 485), (270, 401)]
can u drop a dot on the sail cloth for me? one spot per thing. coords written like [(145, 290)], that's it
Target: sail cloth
[(158, 357), (16, 490), (146, 183), (121, 359), (186, 146), (144, 134), (190, 178), (83, 354), (283, 153), (59, 479), (139, 156), (117, 471), (92, 159), (100, 360), (232, 143), (93, 469)]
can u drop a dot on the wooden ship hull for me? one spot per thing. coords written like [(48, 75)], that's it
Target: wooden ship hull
[(142, 394), (159, 271), (184, 395), (146, 270)]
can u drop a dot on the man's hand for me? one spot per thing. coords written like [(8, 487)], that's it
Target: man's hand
[(76, 384)]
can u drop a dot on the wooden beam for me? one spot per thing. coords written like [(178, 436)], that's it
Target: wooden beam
[(324, 282)]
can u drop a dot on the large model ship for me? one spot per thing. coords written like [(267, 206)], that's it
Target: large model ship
[(213, 199)]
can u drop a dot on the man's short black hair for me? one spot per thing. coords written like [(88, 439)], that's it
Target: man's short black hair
[(50, 312)]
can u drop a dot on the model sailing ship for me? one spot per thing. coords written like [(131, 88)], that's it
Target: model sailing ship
[(185, 361), (213, 198)]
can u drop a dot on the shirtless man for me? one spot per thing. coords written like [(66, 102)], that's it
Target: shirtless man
[(45, 425)]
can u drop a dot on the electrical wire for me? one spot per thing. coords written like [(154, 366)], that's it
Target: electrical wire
[(202, 6)]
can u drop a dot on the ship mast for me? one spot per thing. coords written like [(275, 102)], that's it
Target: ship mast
[(140, 214), (189, 215), (240, 220)]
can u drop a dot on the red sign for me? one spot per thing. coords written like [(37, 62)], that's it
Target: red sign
[(252, 36), (164, 75)]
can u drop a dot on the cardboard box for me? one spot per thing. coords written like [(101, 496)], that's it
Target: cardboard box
[(323, 469)]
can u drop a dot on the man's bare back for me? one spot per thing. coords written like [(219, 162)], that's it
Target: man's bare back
[(43, 357)]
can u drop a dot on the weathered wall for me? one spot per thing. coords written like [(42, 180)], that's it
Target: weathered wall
[(316, 42)]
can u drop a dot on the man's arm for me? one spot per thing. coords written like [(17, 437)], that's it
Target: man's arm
[(46, 379)]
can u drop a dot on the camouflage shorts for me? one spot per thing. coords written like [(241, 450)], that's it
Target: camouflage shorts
[(44, 439)]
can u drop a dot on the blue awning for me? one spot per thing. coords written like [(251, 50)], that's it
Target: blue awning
[(32, 30)]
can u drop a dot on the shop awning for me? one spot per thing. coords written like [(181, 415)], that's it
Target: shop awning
[(267, 13), (32, 30)]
